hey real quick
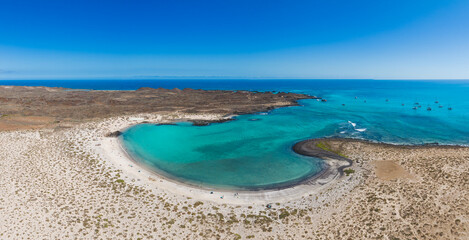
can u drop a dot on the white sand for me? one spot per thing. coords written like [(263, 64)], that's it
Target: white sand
[(111, 150), (65, 183), (74, 183)]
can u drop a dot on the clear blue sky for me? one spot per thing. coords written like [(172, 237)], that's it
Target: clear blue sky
[(386, 39)]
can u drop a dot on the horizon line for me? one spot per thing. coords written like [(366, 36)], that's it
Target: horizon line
[(232, 78)]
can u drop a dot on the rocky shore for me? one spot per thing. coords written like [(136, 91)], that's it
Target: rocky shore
[(319, 149)]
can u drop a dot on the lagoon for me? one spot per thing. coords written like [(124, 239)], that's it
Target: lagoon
[(254, 151)]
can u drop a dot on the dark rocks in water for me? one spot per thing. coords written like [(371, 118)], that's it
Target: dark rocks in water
[(114, 134), (162, 124), (208, 122)]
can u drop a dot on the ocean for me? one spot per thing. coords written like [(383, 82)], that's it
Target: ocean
[(231, 154)]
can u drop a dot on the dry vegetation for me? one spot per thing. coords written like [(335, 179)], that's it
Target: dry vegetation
[(35, 107), (409, 193), (54, 185)]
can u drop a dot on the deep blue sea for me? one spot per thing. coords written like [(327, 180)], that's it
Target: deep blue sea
[(255, 151)]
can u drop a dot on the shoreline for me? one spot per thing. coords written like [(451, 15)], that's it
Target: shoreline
[(308, 148), (77, 182), (325, 167), (56, 106), (112, 149), (332, 169), (411, 146)]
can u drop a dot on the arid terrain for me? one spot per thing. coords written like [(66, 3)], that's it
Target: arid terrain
[(36, 107), (408, 192), (62, 179)]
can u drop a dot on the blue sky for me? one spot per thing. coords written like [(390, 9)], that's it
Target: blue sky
[(389, 39)]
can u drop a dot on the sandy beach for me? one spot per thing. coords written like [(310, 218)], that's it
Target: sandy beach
[(74, 182), (82, 180), (111, 149)]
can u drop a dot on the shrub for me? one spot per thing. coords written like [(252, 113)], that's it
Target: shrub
[(349, 171)]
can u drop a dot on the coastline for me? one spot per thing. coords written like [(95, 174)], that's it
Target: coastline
[(309, 148), (327, 177), (40, 107), (333, 166), (75, 181), (325, 168), (68, 180), (387, 144)]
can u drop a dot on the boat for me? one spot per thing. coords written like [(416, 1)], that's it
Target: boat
[(429, 108), (440, 106), (415, 108), (436, 101), (323, 100), (402, 104), (416, 103), (343, 104), (450, 108)]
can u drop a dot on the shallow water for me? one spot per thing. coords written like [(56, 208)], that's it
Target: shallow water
[(256, 154), (255, 150), (237, 154)]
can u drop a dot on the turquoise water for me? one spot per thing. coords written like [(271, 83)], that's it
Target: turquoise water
[(255, 150), (237, 154), (257, 154)]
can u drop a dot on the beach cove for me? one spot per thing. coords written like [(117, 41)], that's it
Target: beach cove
[(111, 148), (75, 180)]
